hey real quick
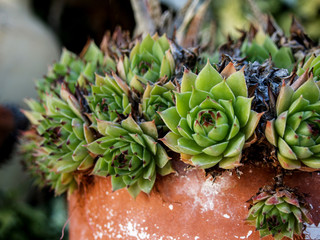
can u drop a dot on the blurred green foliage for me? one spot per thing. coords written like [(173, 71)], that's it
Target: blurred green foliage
[(22, 221), (231, 15), (306, 11)]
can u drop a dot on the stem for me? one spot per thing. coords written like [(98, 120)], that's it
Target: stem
[(279, 177)]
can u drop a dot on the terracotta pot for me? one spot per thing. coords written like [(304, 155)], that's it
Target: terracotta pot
[(186, 205)]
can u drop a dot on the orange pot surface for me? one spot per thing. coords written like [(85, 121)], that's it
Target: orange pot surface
[(186, 205)]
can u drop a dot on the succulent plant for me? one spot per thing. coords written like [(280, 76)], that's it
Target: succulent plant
[(157, 98), (212, 118), (149, 60), (109, 98), (40, 166), (262, 46), (30, 149), (280, 213), (74, 70), (63, 130), (129, 152), (295, 131), (313, 64)]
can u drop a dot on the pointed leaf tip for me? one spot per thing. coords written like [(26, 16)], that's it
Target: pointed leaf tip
[(207, 78)]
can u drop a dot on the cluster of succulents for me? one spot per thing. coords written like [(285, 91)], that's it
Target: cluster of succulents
[(61, 126), (90, 120), (124, 113)]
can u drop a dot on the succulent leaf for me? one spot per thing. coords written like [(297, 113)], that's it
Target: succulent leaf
[(271, 133), (312, 64), (171, 118), (309, 90), (207, 78), (284, 97), (188, 81), (237, 83)]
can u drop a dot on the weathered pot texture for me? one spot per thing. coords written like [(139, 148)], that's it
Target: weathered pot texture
[(185, 205)]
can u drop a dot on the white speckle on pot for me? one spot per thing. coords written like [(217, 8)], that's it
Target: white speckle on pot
[(195, 238), (226, 216), (170, 206), (132, 229), (236, 236), (242, 237), (312, 232), (204, 194), (98, 235), (249, 233)]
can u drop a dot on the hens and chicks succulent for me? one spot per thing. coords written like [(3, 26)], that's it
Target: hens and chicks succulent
[(121, 116)]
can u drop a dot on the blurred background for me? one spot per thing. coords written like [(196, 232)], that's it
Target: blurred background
[(32, 34)]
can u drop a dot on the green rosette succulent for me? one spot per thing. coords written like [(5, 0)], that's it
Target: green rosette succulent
[(109, 98), (31, 151), (262, 47), (211, 119), (278, 213), (313, 64), (40, 167), (149, 60), (129, 152), (295, 131), (157, 98), (64, 131), (74, 70)]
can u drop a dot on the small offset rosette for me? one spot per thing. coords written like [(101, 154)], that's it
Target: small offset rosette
[(280, 213), (157, 98), (109, 99), (75, 70), (149, 60)]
